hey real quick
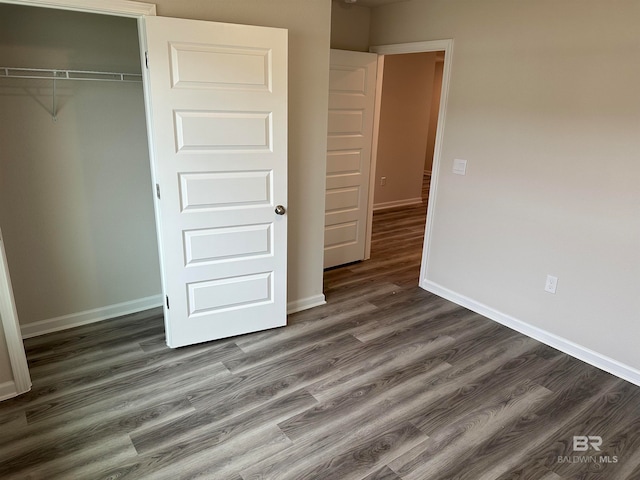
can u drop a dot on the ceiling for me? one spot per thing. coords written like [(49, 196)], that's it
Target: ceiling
[(376, 3)]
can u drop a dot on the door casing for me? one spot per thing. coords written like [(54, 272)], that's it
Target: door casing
[(415, 47), (11, 329)]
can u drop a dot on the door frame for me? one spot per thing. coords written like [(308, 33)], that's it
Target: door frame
[(118, 8), (396, 49), (11, 329), (13, 337)]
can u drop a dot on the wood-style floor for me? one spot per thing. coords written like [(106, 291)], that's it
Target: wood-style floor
[(386, 381)]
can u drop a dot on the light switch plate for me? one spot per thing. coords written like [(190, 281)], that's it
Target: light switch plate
[(459, 166)]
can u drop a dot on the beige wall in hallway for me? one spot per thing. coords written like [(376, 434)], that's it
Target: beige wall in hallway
[(404, 123), (433, 116)]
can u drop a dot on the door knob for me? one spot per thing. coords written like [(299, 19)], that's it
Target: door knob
[(280, 210)]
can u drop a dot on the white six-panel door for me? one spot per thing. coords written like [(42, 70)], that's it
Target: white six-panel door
[(217, 114), (352, 83)]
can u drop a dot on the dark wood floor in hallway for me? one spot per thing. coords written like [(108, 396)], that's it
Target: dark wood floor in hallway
[(385, 381)]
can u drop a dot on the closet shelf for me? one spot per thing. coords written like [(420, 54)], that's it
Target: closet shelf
[(56, 74)]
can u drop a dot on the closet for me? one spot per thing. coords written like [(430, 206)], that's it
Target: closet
[(76, 205)]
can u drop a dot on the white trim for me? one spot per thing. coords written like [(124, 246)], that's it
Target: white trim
[(413, 47), (397, 203), (11, 328), (374, 156), (8, 390), (580, 352), (90, 316), (437, 160), (121, 8), (305, 303)]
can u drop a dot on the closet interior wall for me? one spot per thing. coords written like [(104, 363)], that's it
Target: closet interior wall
[(76, 205)]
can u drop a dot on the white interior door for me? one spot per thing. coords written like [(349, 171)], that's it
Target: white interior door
[(352, 84), (217, 116)]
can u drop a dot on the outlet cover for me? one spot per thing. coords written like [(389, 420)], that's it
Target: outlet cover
[(459, 166), (551, 284)]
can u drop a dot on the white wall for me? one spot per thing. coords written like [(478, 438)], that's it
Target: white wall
[(350, 26), (308, 22), (407, 89), (76, 202), (544, 105)]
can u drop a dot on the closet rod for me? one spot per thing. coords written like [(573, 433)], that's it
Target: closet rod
[(56, 74)]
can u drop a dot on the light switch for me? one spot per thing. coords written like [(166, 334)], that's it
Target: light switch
[(459, 166)]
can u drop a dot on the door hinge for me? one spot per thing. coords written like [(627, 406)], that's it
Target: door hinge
[(167, 297), (146, 59), (158, 191)]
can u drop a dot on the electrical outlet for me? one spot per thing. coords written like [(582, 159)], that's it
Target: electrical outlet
[(383, 181), (551, 284)]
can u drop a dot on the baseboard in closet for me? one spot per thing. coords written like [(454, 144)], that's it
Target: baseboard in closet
[(89, 316)]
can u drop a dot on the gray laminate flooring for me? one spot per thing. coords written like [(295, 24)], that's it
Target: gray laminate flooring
[(386, 381)]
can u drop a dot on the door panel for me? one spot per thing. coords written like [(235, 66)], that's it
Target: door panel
[(352, 82), (217, 97), (217, 131)]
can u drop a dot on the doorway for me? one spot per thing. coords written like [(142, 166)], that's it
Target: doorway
[(81, 242), (76, 204), (403, 207)]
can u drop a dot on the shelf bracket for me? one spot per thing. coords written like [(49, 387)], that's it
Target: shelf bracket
[(54, 107)]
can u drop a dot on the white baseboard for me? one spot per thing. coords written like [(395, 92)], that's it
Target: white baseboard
[(89, 316), (587, 355), (8, 390), (305, 303), (397, 203)]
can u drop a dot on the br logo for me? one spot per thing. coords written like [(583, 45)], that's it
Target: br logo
[(582, 443)]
